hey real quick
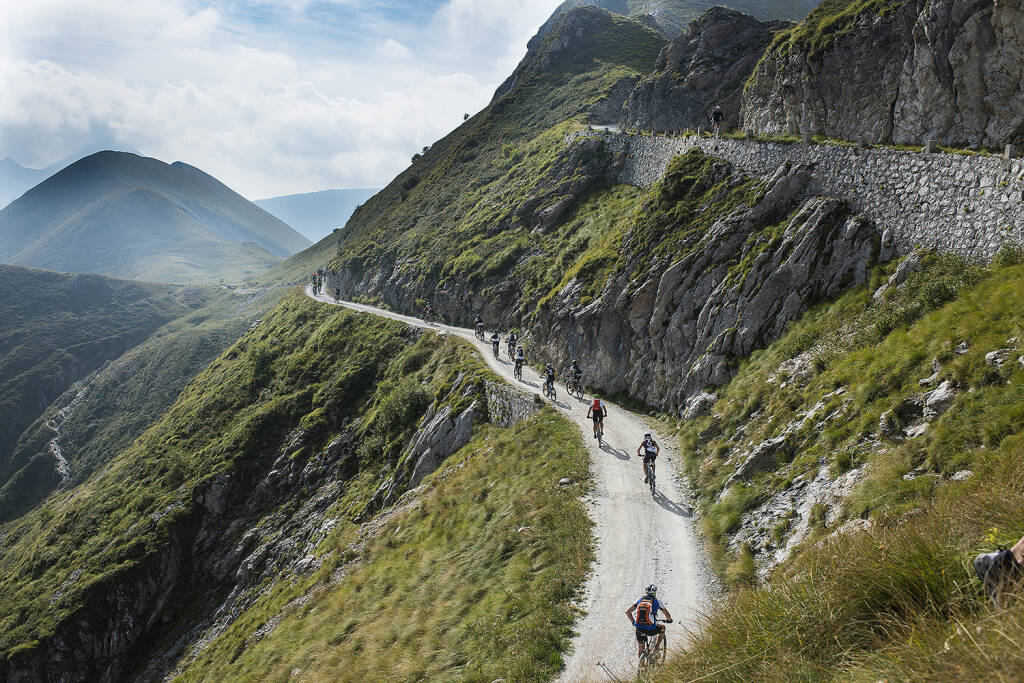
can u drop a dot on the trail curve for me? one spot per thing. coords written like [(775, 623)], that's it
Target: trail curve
[(640, 539)]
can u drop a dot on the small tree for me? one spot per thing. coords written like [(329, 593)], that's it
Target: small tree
[(416, 157), (426, 149), (465, 117)]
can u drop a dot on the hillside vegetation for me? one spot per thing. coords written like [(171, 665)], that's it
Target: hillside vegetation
[(318, 392), (58, 328), (108, 408), (878, 586)]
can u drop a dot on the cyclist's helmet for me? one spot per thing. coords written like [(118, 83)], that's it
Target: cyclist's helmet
[(647, 435), (651, 590)]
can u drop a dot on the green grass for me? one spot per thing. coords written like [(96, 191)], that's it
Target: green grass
[(329, 373), (878, 605), (473, 584), (827, 23)]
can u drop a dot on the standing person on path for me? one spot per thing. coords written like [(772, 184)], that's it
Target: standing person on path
[(716, 121), (597, 412), (649, 450)]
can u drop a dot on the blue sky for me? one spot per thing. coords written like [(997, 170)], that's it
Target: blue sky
[(272, 96)]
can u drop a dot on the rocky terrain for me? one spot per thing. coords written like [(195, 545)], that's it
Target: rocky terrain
[(704, 67), (905, 72)]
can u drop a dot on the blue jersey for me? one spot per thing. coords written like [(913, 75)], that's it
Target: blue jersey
[(647, 613)]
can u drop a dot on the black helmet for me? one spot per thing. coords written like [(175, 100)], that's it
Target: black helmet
[(651, 590)]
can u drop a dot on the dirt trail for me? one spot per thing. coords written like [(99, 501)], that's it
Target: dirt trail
[(640, 539)]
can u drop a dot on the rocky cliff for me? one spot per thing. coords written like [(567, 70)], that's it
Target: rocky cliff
[(705, 66), (905, 72)]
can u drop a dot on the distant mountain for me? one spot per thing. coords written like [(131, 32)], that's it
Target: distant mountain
[(15, 179), (316, 214), (124, 215), (670, 17)]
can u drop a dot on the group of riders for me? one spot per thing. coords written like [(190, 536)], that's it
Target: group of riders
[(643, 614), (316, 282)]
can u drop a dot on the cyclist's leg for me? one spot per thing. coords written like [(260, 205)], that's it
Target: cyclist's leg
[(641, 640)]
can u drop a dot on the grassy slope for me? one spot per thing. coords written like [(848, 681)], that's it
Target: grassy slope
[(58, 328), (123, 399), (879, 604), (453, 199), (306, 366), (474, 584)]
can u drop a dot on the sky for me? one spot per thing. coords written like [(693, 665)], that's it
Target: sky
[(272, 97)]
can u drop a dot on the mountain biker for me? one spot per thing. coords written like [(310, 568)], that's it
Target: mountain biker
[(650, 450), (479, 325), (549, 377), (520, 358), (716, 121), (597, 412), (496, 343), (430, 310), (512, 339), (576, 372), (646, 621)]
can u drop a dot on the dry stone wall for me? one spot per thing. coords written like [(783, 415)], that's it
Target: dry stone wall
[(507, 406), (964, 204)]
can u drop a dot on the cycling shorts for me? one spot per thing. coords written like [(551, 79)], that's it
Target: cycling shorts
[(642, 633), (649, 456), (597, 417)]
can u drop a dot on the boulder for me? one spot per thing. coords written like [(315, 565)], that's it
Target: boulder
[(996, 358), (938, 401), (699, 405)]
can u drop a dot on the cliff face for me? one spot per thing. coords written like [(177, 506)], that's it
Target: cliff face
[(712, 265), (705, 66), (949, 70)]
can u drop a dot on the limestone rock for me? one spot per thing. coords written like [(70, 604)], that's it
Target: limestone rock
[(903, 271), (939, 401), (699, 405), (948, 70), (705, 66), (996, 358)]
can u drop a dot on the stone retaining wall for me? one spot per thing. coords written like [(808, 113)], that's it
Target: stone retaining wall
[(968, 205), (507, 406)]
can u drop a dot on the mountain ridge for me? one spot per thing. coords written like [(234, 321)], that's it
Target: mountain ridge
[(172, 222)]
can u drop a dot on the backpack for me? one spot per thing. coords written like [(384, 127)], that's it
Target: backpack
[(597, 406), (646, 611)]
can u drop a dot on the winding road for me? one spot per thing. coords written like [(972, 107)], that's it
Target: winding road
[(641, 538)]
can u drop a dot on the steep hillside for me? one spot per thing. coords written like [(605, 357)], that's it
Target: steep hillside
[(491, 155), (250, 492), (59, 328), (704, 67), (108, 408), (856, 466), (120, 214), (316, 214), (670, 17), (902, 71)]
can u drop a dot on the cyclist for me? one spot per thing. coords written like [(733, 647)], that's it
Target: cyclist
[(479, 324), (496, 343), (549, 378), (520, 358), (430, 312), (646, 620), (576, 372), (512, 339), (650, 450), (597, 412)]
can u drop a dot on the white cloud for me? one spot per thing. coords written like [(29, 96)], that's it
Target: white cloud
[(250, 102)]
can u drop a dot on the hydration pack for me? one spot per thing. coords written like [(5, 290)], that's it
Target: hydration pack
[(645, 612)]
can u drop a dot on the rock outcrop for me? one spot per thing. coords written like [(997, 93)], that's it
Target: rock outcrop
[(664, 330), (948, 70), (704, 67)]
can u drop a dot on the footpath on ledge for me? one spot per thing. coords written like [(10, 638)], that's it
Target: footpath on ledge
[(640, 539)]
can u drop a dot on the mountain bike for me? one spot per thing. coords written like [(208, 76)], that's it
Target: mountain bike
[(600, 433), (496, 353), (654, 656), (650, 476), (575, 388), (518, 372), (511, 351), (480, 332), (549, 390)]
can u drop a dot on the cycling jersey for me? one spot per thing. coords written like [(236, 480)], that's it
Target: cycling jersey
[(650, 447)]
